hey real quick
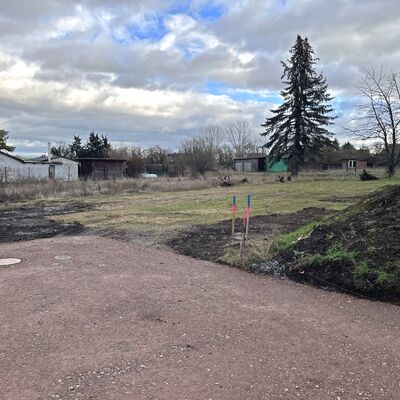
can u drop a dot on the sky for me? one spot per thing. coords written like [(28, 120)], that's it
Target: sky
[(148, 72)]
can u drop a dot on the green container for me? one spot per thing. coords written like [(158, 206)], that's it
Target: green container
[(279, 166)]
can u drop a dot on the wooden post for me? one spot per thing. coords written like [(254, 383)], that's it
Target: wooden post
[(242, 247), (233, 215), (248, 217)]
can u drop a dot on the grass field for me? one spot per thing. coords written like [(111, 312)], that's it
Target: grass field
[(170, 210)]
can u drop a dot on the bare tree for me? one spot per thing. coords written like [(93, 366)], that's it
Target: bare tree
[(226, 157), (198, 154), (240, 137), (379, 116), (214, 136)]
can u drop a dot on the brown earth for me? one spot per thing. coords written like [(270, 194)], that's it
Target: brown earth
[(33, 222), (207, 242), (120, 321), (357, 249)]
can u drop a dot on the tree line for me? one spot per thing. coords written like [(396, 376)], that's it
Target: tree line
[(297, 131)]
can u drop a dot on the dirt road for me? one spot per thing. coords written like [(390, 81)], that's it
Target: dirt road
[(119, 321)]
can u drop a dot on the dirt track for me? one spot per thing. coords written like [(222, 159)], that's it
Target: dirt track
[(118, 321)]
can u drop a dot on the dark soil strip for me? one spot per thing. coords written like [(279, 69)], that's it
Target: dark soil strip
[(207, 241), (33, 222)]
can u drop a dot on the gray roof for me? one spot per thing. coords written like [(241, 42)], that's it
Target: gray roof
[(13, 157), (251, 157)]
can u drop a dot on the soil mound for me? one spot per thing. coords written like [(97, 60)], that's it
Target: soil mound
[(357, 249), (207, 242)]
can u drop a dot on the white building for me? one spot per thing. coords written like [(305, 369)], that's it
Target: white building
[(14, 169)]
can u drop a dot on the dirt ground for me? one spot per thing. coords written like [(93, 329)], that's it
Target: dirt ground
[(120, 321), (207, 242), (33, 222)]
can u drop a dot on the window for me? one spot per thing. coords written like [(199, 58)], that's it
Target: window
[(352, 163)]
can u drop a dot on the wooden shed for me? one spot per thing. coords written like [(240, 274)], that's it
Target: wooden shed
[(251, 163), (102, 168)]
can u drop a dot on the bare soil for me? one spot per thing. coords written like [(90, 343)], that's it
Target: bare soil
[(207, 242), (369, 231), (117, 321), (33, 222)]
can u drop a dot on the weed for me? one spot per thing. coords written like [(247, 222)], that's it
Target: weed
[(285, 241), (255, 253), (334, 257), (384, 279)]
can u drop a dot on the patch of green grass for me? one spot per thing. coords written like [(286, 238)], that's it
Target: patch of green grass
[(396, 265), (362, 269), (285, 241), (363, 276), (384, 279), (336, 256)]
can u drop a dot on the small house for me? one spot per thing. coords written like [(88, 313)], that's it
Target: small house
[(16, 169), (102, 168), (60, 168), (353, 164)]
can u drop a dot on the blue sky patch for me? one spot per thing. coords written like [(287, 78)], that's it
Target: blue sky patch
[(210, 10), (241, 95)]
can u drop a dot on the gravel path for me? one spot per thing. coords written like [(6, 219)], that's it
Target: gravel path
[(119, 321)]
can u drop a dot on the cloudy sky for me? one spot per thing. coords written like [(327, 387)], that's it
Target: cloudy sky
[(148, 72)]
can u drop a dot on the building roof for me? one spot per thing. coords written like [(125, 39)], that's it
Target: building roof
[(100, 159), (251, 157), (44, 159), (13, 157)]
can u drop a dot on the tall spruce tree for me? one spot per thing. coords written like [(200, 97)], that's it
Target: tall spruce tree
[(297, 131)]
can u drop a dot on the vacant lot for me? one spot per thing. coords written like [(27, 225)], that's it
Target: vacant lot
[(118, 321), (165, 217), (160, 213)]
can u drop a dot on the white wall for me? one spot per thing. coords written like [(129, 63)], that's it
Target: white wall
[(67, 171), (12, 170)]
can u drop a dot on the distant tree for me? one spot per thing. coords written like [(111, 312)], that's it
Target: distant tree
[(378, 117), (97, 145), (297, 130), (61, 149), (198, 154), (240, 137), (76, 147), (330, 154), (156, 155), (226, 157), (135, 165), (126, 152), (214, 136), (348, 147), (3, 141)]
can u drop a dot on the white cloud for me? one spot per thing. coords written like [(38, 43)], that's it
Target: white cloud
[(138, 71)]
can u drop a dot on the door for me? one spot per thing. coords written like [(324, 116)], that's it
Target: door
[(52, 171)]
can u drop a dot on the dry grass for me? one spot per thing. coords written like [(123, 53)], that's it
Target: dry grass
[(39, 190), (28, 190)]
